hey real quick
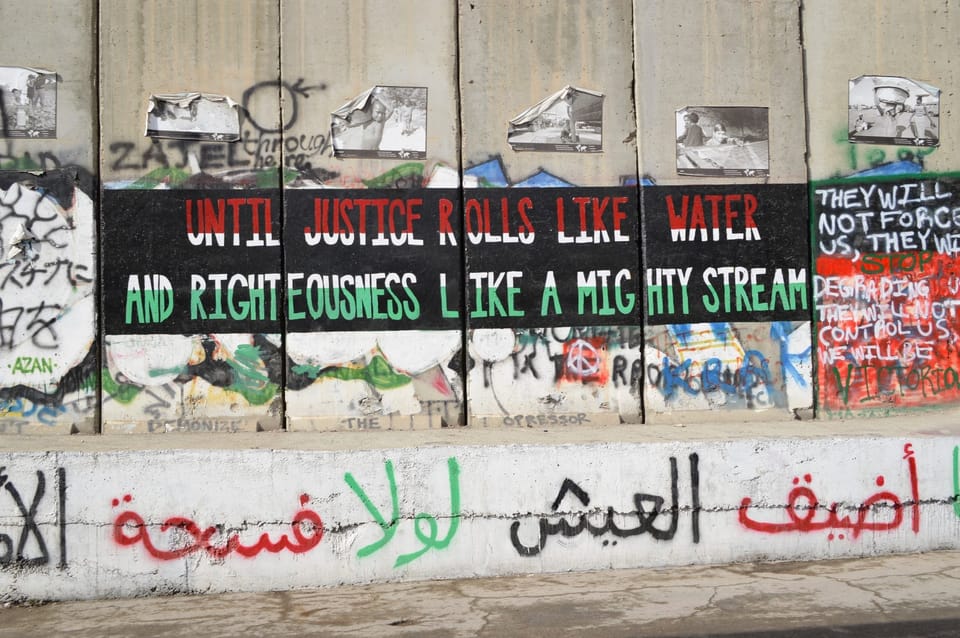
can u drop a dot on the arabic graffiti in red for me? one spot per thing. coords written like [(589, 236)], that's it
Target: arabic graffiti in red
[(129, 528), (881, 511)]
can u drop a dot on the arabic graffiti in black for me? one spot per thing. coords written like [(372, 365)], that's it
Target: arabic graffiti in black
[(648, 507), (17, 549)]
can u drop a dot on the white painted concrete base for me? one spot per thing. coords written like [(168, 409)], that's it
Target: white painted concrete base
[(103, 522)]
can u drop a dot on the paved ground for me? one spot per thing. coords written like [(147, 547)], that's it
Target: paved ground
[(891, 597)]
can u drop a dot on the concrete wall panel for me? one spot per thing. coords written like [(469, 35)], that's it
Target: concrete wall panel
[(340, 49), (48, 352), (211, 365), (746, 354), (714, 53), (220, 47), (913, 40), (560, 363), (380, 372), (58, 37), (512, 55), (885, 331)]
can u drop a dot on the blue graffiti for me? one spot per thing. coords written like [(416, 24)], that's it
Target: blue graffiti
[(712, 377), (676, 376), (747, 381), (754, 375), (779, 331), (493, 173), (903, 167), (45, 414)]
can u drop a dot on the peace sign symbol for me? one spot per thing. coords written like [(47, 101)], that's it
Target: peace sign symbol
[(583, 360)]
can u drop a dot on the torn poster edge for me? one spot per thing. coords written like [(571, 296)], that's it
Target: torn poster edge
[(530, 114), (184, 100)]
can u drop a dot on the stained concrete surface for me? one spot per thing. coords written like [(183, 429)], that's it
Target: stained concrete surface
[(895, 596), (941, 422)]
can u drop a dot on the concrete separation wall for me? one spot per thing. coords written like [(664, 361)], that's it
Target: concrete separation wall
[(470, 221), (79, 524), (592, 222)]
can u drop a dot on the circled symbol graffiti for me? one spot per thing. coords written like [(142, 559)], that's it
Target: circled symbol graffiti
[(583, 360), (271, 90)]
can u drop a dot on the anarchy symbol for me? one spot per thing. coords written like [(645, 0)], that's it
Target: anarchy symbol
[(583, 360)]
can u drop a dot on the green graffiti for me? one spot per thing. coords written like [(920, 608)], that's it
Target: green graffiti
[(389, 529), (289, 175), (381, 374), (428, 536), (843, 388), (89, 382), (956, 480), (253, 384), (249, 381), (158, 176), (160, 372), (246, 361), (255, 395), (270, 177), (23, 163), (378, 373), (860, 156), (119, 392), (306, 369), (176, 177), (29, 365), (409, 172)]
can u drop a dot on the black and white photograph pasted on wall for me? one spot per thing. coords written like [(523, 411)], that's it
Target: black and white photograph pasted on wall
[(569, 121), (886, 109), (193, 116), (28, 102), (730, 141), (384, 122)]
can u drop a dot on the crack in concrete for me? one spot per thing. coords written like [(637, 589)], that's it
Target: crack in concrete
[(710, 601), (874, 594), (684, 509), (473, 605)]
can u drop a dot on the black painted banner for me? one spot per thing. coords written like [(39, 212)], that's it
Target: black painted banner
[(546, 257), (373, 259), (190, 261), (726, 253), (214, 261)]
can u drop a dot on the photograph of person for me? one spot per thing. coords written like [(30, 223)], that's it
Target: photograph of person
[(886, 109), (28, 102), (384, 122), (722, 140)]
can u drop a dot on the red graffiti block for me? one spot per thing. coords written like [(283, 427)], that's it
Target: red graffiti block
[(585, 361), (887, 328)]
